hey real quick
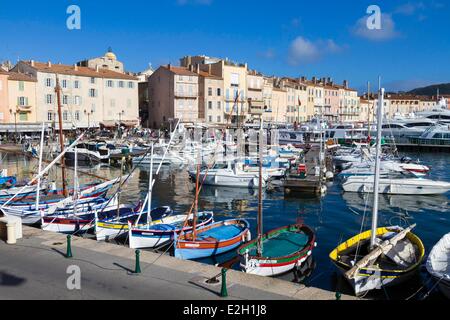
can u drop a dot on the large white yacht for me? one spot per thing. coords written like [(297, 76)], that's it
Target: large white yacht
[(439, 114)]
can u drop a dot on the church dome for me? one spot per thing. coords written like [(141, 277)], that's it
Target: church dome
[(110, 55)]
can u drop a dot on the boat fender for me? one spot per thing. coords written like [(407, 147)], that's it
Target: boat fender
[(315, 244), (249, 236), (309, 253)]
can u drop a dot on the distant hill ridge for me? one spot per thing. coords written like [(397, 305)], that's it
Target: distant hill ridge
[(444, 89)]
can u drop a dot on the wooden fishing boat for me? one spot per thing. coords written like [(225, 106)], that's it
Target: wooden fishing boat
[(162, 231), (438, 264), (279, 250), (212, 240), (85, 221), (284, 249), (115, 227), (394, 267), (381, 256), (30, 215)]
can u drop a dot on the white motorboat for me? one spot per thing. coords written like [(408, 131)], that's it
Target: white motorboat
[(89, 152), (170, 158), (438, 264), (230, 175), (406, 186)]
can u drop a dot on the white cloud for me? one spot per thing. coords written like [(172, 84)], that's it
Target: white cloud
[(410, 8), (303, 50), (268, 54), (387, 32)]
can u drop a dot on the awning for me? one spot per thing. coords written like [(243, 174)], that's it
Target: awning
[(129, 123), (108, 124)]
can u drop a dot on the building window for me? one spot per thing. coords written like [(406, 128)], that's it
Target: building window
[(210, 92), (130, 85), (77, 115), (49, 116), (65, 99), (210, 119), (235, 79), (219, 105), (109, 83), (92, 93), (21, 86), (219, 119), (121, 84), (210, 105), (49, 98), (64, 83), (48, 82), (219, 92), (23, 101), (23, 116), (65, 116), (93, 80), (76, 84), (77, 101)]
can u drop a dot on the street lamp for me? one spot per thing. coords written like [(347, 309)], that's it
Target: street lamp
[(15, 122), (120, 115), (88, 115)]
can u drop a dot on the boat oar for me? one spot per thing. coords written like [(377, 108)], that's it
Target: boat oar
[(383, 248)]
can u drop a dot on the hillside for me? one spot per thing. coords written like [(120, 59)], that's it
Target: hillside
[(432, 90)]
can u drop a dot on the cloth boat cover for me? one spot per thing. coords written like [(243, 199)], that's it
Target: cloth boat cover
[(438, 263)]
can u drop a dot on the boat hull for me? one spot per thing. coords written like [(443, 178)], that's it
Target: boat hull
[(153, 237), (395, 186), (186, 249), (371, 278), (109, 230), (273, 266)]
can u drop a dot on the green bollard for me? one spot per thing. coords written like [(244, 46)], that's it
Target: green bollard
[(69, 247), (224, 291), (138, 263), (338, 295)]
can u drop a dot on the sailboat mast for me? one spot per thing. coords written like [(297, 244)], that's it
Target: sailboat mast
[(41, 148), (150, 189), (368, 111), (197, 181), (61, 136), (377, 169), (260, 202)]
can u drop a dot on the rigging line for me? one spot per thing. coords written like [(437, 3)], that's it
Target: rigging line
[(362, 224), (129, 175)]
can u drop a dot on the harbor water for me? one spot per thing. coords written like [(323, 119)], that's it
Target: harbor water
[(335, 217)]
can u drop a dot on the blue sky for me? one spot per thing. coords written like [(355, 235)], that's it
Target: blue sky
[(292, 38)]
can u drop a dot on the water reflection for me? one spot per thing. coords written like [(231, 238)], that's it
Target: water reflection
[(394, 203)]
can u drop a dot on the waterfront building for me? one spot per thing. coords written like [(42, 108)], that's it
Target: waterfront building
[(297, 100), (173, 94), (211, 102), (255, 94), (279, 105), (270, 113), (367, 109), (4, 98), (331, 100), (18, 112), (349, 105), (89, 97), (235, 89)]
